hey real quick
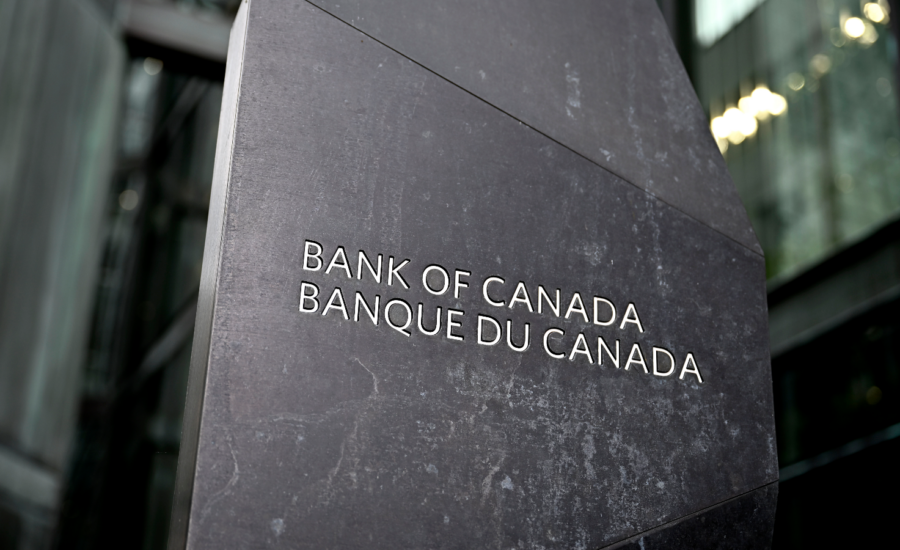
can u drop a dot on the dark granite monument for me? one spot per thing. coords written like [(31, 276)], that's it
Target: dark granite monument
[(476, 277)]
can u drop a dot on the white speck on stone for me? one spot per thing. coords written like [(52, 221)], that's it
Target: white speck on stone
[(482, 74), (446, 520), (300, 438), (573, 87), (507, 483), (661, 485), (277, 526), (426, 134), (432, 469)]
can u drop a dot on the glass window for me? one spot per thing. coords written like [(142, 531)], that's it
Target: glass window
[(716, 18), (802, 97)]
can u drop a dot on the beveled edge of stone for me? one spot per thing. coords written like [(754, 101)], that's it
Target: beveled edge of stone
[(728, 217), (746, 521), (209, 278)]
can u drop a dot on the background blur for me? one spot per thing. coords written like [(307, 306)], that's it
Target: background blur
[(108, 119)]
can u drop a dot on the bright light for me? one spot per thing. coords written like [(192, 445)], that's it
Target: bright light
[(761, 103), (720, 128), (723, 145), (748, 126), (734, 126), (777, 104), (733, 119), (874, 12), (761, 96), (749, 106), (740, 122), (854, 27), (757, 103)]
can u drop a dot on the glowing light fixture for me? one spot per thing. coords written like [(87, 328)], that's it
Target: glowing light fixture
[(720, 128), (874, 12), (768, 102), (749, 106), (777, 104), (854, 27), (760, 97), (736, 138), (741, 125), (738, 123)]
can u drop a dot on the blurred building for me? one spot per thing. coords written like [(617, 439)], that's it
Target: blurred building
[(802, 97), (108, 119)]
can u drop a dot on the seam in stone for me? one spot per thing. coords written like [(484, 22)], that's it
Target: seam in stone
[(683, 518), (522, 122)]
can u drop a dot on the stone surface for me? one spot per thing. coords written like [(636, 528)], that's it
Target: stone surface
[(322, 432), (602, 78), (745, 522)]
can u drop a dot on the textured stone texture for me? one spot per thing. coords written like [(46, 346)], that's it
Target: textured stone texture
[(745, 522), (602, 78), (318, 432)]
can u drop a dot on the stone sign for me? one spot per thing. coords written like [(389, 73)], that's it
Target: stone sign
[(475, 277)]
